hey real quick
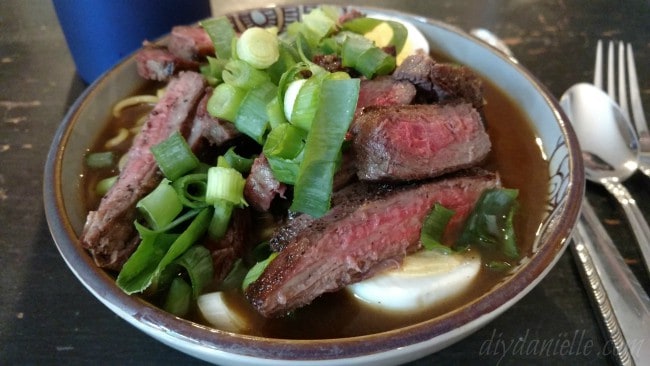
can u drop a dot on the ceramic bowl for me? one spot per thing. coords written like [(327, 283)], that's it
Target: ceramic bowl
[(66, 215)]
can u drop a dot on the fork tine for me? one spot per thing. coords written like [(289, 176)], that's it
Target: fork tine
[(635, 96), (622, 87), (598, 68), (610, 70)]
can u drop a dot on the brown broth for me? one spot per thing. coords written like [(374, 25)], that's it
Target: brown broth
[(520, 164)]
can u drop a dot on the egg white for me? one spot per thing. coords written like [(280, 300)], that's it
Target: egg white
[(425, 279)]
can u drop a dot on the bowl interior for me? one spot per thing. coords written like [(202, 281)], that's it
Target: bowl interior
[(84, 122)]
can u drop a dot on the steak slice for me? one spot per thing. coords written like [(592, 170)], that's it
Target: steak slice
[(418, 141), (190, 43), (384, 91), (441, 81), (109, 233), (372, 231), (232, 245), (206, 128), (157, 63), (261, 186)]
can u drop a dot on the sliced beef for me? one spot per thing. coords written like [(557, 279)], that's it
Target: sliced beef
[(109, 233), (157, 63), (384, 91), (331, 62), (261, 186), (347, 171), (190, 43), (206, 128), (372, 230), (418, 141), (441, 82), (232, 245)]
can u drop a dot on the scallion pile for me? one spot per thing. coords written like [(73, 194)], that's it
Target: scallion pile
[(266, 84)]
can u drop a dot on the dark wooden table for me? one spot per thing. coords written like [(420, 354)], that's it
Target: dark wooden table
[(46, 316)]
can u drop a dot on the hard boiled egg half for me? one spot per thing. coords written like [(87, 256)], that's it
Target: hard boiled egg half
[(425, 279), (383, 33)]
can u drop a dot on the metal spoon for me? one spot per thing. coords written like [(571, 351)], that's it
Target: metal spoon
[(623, 306), (609, 149)]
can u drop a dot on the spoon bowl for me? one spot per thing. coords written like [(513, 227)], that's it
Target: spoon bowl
[(607, 138), (610, 150)]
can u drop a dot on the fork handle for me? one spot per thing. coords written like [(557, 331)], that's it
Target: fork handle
[(634, 216)]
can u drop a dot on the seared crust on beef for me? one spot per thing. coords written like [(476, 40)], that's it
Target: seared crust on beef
[(261, 186), (376, 227), (157, 63), (109, 233), (441, 82), (190, 42)]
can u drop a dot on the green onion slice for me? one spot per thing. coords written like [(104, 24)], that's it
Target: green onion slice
[(191, 189), (197, 262), (364, 25), (156, 251), (313, 187), (225, 184), (225, 101), (220, 219), (160, 206), (241, 74), (100, 160), (434, 226), (491, 222), (104, 185), (221, 33), (178, 298), (252, 118), (238, 162), (256, 271), (174, 156)]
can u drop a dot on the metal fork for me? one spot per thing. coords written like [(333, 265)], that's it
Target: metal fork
[(625, 53)]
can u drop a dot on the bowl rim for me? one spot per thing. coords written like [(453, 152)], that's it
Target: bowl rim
[(151, 319)]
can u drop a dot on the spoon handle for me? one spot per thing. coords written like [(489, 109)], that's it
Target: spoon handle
[(635, 216)]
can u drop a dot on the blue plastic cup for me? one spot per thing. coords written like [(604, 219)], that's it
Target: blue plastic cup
[(99, 33)]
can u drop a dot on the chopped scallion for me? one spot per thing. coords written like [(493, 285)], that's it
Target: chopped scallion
[(220, 219), (197, 262), (225, 184), (363, 25), (434, 226), (178, 298), (242, 75), (225, 101), (251, 118), (100, 160), (256, 271), (104, 185), (161, 206), (313, 187), (258, 47), (174, 156), (212, 71), (490, 223), (238, 162), (191, 189), (156, 251), (283, 150), (221, 33)]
